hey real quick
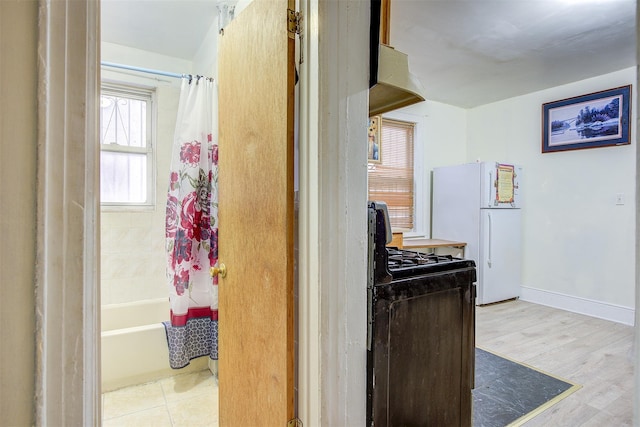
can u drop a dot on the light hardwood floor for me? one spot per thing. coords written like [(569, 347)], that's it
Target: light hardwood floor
[(594, 353)]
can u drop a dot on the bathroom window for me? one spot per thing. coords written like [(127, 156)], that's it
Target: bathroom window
[(392, 180), (126, 146)]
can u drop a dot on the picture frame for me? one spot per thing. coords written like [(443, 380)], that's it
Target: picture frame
[(598, 119), (374, 141)]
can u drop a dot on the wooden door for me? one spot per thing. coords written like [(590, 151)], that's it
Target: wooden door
[(256, 212)]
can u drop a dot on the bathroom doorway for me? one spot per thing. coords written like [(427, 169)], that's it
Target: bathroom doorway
[(137, 380), (271, 300)]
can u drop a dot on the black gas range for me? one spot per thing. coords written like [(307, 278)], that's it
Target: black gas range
[(420, 341)]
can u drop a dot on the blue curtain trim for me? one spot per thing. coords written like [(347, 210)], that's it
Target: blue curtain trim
[(199, 337)]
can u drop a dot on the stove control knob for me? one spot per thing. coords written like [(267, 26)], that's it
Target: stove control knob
[(221, 270)]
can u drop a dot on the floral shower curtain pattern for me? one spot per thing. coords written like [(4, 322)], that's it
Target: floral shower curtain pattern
[(192, 226)]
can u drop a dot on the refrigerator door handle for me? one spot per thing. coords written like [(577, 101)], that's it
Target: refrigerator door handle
[(489, 241)]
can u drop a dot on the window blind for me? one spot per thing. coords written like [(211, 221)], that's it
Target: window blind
[(391, 180)]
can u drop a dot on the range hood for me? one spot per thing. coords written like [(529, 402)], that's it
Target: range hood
[(395, 87)]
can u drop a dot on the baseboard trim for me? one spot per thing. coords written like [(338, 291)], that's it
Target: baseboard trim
[(599, 309)]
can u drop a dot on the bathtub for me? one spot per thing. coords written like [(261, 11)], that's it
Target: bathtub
[(134, 345)]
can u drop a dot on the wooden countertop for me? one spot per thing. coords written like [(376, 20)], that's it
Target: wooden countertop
[(431, 243)]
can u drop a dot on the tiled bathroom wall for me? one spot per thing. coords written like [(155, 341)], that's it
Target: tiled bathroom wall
[(132, 241)]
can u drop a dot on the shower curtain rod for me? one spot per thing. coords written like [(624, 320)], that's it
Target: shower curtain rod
[(148, 70), (143, 70)]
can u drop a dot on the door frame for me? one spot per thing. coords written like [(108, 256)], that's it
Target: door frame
[(333, 214), (332, 333), (67, 389)]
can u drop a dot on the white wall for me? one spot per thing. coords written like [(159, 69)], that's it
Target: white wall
[(126, 55), (18, 160), (576, 241), (132, 242), (441, 139), (205, 61)]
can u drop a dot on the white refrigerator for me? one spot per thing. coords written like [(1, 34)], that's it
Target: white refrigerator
[(480, 204)]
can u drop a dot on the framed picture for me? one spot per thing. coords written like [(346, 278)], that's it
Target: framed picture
[(598, 119), (374, 148)]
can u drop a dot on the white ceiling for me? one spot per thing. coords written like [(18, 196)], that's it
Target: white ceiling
[(473, 52), (169, 27), (465, 52)]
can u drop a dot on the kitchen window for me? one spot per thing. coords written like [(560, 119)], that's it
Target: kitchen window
[(392, 180), (126, 147)]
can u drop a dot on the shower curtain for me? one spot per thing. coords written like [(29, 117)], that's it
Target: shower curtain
[(192, 226)]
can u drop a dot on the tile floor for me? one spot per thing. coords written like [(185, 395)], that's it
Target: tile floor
[(183, 400)]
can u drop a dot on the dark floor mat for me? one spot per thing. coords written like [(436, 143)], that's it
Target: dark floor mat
[(509, 393)]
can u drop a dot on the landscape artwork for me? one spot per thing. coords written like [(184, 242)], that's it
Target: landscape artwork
[(595, 120)]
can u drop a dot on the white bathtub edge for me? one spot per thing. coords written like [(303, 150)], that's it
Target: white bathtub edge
[(139, 354)]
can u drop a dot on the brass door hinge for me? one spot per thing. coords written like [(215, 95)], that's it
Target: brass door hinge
[(294, 423), (295, 23), (294, 26)]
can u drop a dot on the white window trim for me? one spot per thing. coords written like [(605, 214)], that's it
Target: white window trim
[(142, 93), (421, 189)]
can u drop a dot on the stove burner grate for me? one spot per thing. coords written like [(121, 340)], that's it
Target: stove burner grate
[(404, 258)]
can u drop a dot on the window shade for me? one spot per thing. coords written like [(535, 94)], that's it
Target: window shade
[(391, 181)]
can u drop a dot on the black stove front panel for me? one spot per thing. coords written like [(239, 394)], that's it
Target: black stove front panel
[(420, 366)]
